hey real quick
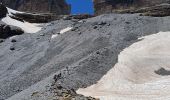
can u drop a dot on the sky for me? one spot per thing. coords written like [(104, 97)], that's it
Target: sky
[(81, 6)]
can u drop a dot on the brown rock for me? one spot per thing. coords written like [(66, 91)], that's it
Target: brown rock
[(145, 7), (39, 6)]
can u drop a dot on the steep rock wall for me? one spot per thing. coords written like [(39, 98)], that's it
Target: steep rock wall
[(39, 6), (108, 6)]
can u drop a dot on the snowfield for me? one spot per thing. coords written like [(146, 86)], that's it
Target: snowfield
[(141, 72)]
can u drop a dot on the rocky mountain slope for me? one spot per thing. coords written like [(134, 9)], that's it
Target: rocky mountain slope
[(39, 6), (68, 54), (147, 7), (141, 73), (115, 56)]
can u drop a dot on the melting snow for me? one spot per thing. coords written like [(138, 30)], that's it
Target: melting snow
[(134, 77)]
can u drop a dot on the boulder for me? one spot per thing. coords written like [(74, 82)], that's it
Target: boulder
[(8, 31)]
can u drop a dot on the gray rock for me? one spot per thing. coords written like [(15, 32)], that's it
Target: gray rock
[(81, 59), (7, 31)]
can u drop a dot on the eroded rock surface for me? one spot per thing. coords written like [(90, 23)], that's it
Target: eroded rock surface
[(39, 6), (146, 7)]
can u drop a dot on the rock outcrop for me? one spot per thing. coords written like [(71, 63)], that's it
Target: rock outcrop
[(39, 6), (146, 7), (8, 31), (3, 11), (44, 18)]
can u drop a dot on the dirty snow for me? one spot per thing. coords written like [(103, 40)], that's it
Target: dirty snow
[(134, 77)]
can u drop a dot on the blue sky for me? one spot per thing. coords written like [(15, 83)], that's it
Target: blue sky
[(81, 6)]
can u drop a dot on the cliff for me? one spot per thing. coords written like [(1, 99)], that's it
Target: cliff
[(132, 6), (39, 6)]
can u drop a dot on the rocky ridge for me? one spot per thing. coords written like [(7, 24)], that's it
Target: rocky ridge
[(145, 7), (58, 7)]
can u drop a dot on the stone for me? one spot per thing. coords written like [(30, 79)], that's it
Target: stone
[(12, 48), (1, 40), (13, 40), (95, 27), (102, 23)]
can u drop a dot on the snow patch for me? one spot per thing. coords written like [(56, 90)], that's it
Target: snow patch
[(27, 27), (134, 77), (65, 30), (11, 11), (61, 32), (54, 36)]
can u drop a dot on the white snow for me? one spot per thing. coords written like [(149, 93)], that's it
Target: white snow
[(54, 36), (27, 27), (11, 11), (61, 32), (65, 30), (134, 77)]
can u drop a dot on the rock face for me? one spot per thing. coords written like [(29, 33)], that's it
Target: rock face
[(3, 11), (8, 31), (40, 6), (108, 6), (44, 18)]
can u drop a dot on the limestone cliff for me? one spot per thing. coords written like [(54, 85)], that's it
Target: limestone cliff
[(133, 6), (39, 6)]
